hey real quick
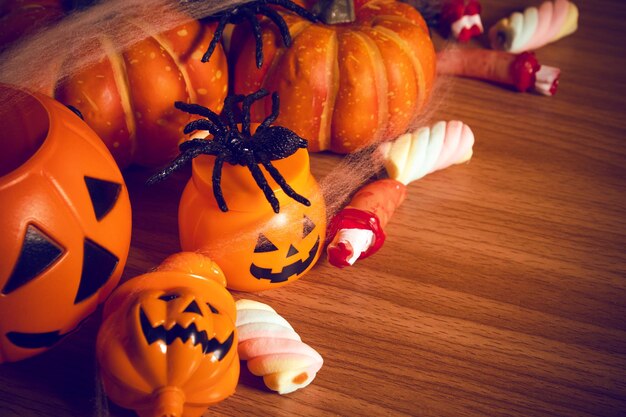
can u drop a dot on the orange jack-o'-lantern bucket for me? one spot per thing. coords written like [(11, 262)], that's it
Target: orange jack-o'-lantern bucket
[(256, 248), (65, 219)]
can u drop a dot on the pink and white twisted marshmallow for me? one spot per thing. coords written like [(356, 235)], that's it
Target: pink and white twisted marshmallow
[(428, 149), (273, 349), (535, 27)]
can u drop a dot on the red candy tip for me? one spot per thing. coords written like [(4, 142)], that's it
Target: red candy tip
[(339, 254), (524, 70)]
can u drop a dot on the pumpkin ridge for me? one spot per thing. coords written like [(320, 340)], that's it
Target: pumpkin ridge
[(354, 122), (123, 86), (324, 135), (420, 73), (382, 85), (399, 96)]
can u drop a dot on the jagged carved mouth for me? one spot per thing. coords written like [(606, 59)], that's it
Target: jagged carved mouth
[(288, 271), (191, 332), (35, 340)]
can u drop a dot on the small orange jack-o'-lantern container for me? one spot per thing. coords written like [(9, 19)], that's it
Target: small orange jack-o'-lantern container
[(65, 220), (168, 342), (256, 248)]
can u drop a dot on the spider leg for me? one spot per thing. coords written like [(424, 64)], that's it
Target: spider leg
[(260, 180), (217, 36), (192, 144), (247, 102), (275, 106), (292, 7), (278, 21), (202, 111), (201, 124), (229, 109), (280, 180), (217, 182), (256, 31), (180, 161)]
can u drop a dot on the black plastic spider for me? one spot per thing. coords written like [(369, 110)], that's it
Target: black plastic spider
[(248, 11), (269, 143)]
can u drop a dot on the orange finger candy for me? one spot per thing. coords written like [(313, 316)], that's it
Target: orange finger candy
[(357, 231), (521, 71), (167, 344)]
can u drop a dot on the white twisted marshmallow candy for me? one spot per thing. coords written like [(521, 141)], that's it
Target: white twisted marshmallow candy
[(535, 27), (428, 149), (273, 349)]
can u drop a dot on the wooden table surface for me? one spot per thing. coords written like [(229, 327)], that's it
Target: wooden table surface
[(501, 289)]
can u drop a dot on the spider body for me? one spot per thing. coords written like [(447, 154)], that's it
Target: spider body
[(239, 147), (248, 12)]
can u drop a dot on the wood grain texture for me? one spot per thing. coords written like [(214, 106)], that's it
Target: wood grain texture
[(501, 289)]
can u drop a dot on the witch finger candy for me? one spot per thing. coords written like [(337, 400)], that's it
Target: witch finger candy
[(167, 344), (535, 27), (461, 19), (273, 349), (357, 231), (523, 71)]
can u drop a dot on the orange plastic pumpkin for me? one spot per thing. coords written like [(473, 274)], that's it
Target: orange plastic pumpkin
[(128, 98), (168, 342), (344, 86), (65, 219), (256, 248)]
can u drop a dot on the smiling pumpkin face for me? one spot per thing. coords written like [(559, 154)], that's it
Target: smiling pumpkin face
[(280, 260), (181, 323)]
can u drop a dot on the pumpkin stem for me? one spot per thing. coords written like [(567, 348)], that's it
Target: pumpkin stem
[(333, 12), (169, 402)]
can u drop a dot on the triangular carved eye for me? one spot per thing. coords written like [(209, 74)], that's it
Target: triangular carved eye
[(103, 195), (213, 309), (307, 227), (292, 251), (263, 244), (193, 307), (38, 253), (98, 266)]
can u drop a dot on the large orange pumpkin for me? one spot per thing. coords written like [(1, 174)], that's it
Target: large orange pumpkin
[(344, 86), (65, 220), (128, 98)]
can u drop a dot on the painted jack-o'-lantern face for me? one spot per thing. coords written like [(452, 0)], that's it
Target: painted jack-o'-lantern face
[(268, 254), (179, 315), (65, 217), (256, 248), (168, 343)]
